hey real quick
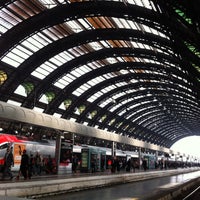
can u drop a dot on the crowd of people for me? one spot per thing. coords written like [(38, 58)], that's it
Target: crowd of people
[(29, 166), (33, 165)]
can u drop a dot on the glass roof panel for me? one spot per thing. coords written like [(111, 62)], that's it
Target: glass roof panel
[(95, 96), (9, 60), (8, 20), (74, 26), (43, 99), (37, 109), (116, 106), (49, 3), (21, 91), (14, 103), (105, 102)]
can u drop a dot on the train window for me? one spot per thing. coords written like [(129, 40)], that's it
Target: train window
[(4, 146)]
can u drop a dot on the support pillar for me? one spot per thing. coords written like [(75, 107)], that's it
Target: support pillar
[(139, 157), (57, 153), (156, 164), (113, 149)]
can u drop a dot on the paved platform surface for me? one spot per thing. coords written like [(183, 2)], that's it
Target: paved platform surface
[(44, 185), (141, 190)]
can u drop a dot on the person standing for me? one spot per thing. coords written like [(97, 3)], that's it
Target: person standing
[(24, 165), (8, 163), (74, 163), (31, 166), (38, 163)]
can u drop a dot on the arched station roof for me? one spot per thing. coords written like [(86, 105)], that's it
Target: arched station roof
[(130, 67)]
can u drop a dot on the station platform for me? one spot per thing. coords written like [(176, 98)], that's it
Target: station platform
[(40, 186)]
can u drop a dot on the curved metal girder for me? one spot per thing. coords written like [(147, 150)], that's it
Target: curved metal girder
[(140, 15), (136, 86), (77, 39), (73, 11), (46, 83), (99, 86)]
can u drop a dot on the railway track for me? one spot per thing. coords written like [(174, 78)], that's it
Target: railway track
[(193, 195)]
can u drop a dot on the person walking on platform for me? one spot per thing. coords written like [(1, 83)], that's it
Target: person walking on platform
[(74, 163), (38, 163), (31, 165), (144, 164), (24, 165), (8, 163)]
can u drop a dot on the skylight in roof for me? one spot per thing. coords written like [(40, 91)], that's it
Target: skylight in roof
[(108, 88), (3, 29), (96, 45), (43, 99), (75, 26), (57, 115), (61, 58), (122, 83), (9, 60), (32, 44), (105, 102), (40, 110), (106, 44), (107, 76), (122, 112), (87, 85), (25, 49), (77, 92), (42, 72), (95, 81), (8, 20), (21, 91), (14, 102), (60, 84), (111, 60), (82, 70), (67, 56), (102, 91), (95, 96), (64, 81), (123, 71), (49, 3), (115, 107), (116, 96), (85, 69), (129, 24)]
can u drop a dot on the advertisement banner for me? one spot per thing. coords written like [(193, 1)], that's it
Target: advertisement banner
[(17, 152)]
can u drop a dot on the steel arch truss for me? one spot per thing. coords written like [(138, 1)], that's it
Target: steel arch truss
[(112, 65)]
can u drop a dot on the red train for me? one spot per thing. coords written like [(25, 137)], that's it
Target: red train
[(19, 143)]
